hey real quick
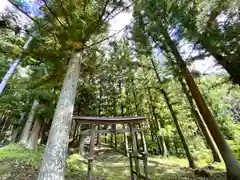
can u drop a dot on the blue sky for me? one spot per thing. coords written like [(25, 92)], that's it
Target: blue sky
[(120, 21)]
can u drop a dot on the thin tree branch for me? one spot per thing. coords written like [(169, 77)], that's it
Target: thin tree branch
[(116, 14), (200, 56), (26, 14), (103, 11), (104, 21), (64, 13), (106, 38), (54, 15), (195, 44)]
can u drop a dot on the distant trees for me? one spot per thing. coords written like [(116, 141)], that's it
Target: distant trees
[(122, 79)]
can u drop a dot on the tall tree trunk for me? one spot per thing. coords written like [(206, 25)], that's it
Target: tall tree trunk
[(29, 122), (99, 110), (163, 151), (232, 166), (151, 124), (114, 125), (34, 135), (54, 158), (175, 144), (21, 126), (14, 133), (138, 113), (185, 146), (120, 85), (45, 130), (4, 125), (202, 125), (11, 70)]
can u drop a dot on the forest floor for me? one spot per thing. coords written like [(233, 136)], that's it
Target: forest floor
[(17, 163)]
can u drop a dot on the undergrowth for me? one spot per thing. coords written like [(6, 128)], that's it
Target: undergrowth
[(19, 163)]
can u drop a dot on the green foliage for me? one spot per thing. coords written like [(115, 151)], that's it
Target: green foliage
[(120, 79), (19, 153), (235, 145)]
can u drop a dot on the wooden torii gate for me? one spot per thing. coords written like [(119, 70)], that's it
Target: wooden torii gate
[(133, 154)]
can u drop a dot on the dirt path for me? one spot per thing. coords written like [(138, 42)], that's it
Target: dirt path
[(113, 165)]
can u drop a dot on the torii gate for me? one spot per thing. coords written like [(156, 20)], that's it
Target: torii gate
[(131, 122)]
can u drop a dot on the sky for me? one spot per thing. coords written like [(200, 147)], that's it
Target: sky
[(116, 24), (207, 65)]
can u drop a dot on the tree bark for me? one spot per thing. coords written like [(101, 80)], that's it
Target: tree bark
[(175, 144), (185, 146), (14, 133), (163, 149), (99, 110), (4, 125), (54, 158), (45, 130), (29, 122), (210, 142), (137, 112), (125, 138), (12, 68), (232, 166), (21, 126), (34, 135)]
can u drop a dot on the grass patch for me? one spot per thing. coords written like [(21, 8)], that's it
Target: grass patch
[(20, 153), (19, 163)]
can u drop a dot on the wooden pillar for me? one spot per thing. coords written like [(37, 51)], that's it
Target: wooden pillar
[(106, 139), (105, 135), (111, 138), (143, 140), (81, 141), (91, 154), (115, 136), (135, 150), (145, 165), (125, 142), (98, 136), (131, 165), (81, 145)]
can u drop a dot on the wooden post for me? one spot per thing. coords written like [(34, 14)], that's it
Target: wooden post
[(81, 145), (145, 165), (106, 139), (115, 136), (125, 142), (135, 150), (131, 165), (81, 141), (111, 138), (91, 154), (143, 140), (98, 136)]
